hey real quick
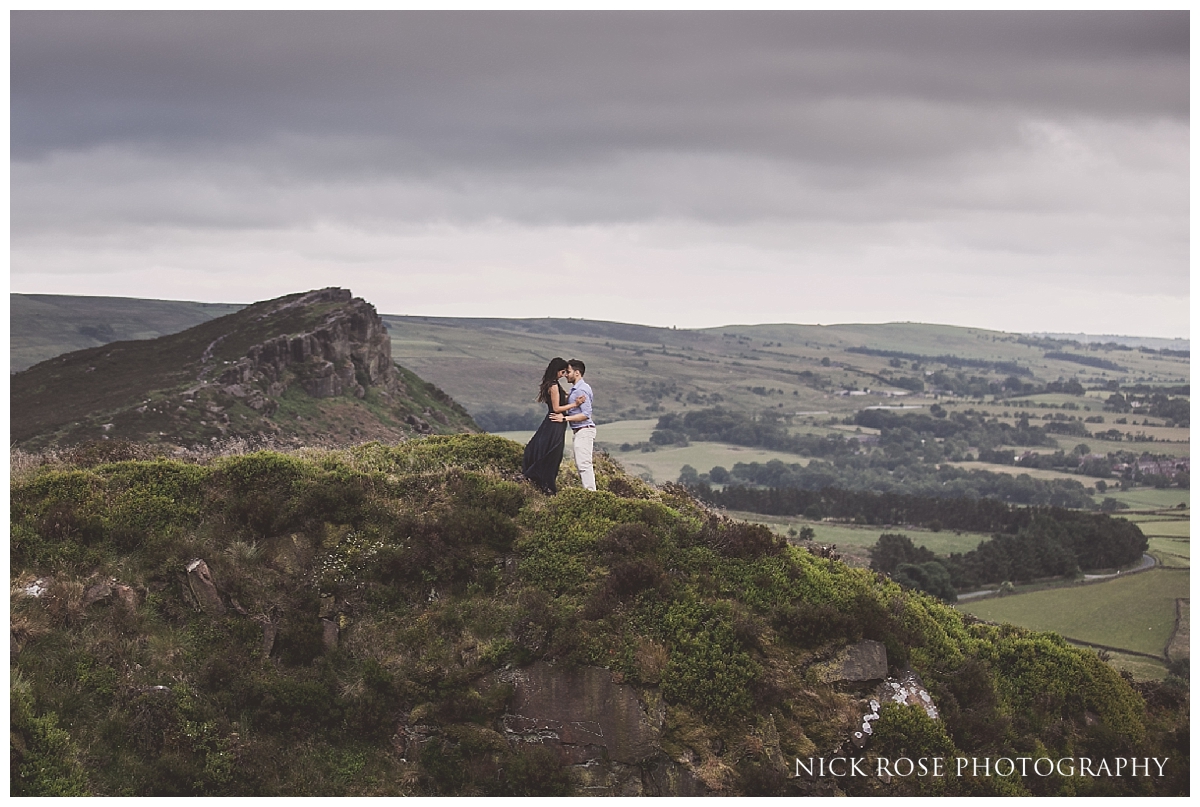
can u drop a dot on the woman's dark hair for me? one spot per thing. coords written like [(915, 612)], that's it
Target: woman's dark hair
[(550, 377)]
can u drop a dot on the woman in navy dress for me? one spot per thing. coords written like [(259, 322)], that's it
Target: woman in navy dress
[(544, 453)]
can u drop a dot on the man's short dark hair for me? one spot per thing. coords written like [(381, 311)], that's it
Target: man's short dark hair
[(578, 365)]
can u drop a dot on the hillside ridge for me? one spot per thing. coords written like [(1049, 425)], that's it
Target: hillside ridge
[(315, 365)]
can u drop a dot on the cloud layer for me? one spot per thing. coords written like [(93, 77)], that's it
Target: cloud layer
[(1022, 171)]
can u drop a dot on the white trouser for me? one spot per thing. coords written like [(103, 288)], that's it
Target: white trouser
[(584, 438)]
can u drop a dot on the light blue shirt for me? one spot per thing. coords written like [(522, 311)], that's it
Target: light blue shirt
[(581, 386)]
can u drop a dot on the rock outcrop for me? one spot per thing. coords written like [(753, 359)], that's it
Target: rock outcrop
[(607, 733), (204, 589), (348, 351), (310, 368), (859, 662)]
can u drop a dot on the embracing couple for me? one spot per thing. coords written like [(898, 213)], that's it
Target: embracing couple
[(544, 453)]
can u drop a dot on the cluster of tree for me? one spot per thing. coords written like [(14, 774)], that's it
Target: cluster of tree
[(907, 382), (1070, 428), (1070, 386), (1027, 542), (912, 566), (509, 420), (968, 426), (920, 479), (1050, 343), (767, 431), (1145, 389), (1087, 361), (1049, 545), (950, 361), (977, 387), (1158, 404), (988, 515)]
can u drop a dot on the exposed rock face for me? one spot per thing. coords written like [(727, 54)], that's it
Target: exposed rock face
[(348, 351), (607, 733), (110, 591), (584, 711), (863, 661), (203, 589), (329, 634)]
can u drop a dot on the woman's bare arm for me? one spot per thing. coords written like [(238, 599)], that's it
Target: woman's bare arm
[(556, 407)]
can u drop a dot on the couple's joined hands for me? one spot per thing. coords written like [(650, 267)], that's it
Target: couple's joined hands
[(559, 417)]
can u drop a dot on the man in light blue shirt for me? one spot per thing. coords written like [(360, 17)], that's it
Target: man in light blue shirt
[(579, 418)]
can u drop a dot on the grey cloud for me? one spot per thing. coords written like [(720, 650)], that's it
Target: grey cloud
[(488, 86), (1049, 150)]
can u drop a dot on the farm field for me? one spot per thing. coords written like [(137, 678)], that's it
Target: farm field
[(1105, 446), (1167, 528), (1013, 470), (940, 543), (1140, 667), (664, 463), (1173, 553), (1149, 498), (1133, 612), (1169, 536)]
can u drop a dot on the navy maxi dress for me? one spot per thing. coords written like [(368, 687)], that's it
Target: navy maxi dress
[(544, 453)]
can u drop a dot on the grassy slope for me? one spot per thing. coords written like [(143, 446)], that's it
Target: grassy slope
[(48, 325), (361, 537), (123, 374), (1136, 612)]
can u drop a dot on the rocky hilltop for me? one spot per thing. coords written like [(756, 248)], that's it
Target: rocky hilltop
[(417, 620), (310, 367)]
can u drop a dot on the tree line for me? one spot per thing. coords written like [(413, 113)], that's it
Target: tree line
[(1048, 545), (1027, 542), (915, 479)]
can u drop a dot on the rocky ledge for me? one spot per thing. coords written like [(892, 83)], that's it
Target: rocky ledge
[(348, 351)]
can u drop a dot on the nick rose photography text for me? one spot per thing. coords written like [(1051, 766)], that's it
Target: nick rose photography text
[(819, 767)]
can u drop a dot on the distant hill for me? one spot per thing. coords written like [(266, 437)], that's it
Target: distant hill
[(314, 368), (639, 372), (47, 325)]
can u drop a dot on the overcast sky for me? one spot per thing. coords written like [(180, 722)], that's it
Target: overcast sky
[(1023, 171)]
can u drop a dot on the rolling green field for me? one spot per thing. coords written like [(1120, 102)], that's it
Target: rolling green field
[(1166, 528), (1149, 498), (1169, 536), (1134, 612), (1140, 667), (1173, 553), (639, 371)]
